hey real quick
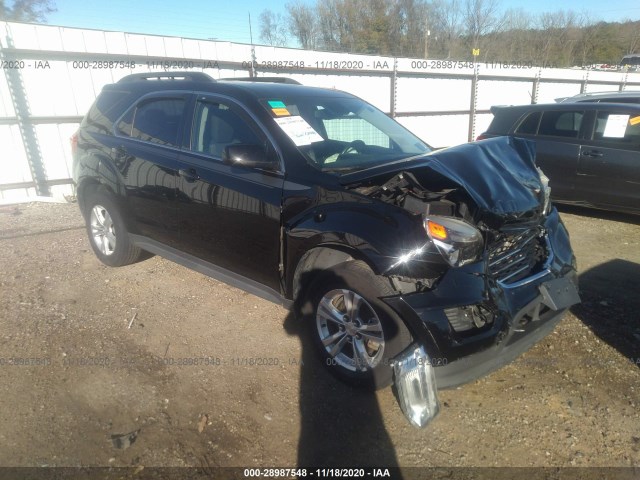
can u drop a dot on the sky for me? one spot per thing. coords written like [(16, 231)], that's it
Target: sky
[(229, 20)]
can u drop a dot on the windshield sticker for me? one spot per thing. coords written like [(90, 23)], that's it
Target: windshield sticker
[(280, 112), (616, 126), (298, 130), (278, 108), (634, 120)]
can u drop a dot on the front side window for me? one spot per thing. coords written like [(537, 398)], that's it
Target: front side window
[(216, 126), (342, 134), (620, 130), (157, 121), (561, 123)]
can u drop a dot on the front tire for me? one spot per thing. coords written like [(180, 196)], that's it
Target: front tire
[(107, 232), (355, 332)]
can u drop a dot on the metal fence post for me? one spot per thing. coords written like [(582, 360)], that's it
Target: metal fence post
[(583, 85), (536, 86), (394, 88), (27, 129), (473, 103), (624, 79)]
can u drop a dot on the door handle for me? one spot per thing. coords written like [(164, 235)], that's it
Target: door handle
[(189, 174), (592, 153)]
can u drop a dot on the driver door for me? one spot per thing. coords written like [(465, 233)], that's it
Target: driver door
[(229, 215)]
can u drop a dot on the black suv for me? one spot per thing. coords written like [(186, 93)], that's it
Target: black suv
[(401, 260), (590, 151), (626, 96)]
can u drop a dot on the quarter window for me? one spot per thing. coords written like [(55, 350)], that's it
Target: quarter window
[(561, 123), (530, 124), (126, 123)]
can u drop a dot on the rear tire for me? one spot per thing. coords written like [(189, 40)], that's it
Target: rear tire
[(107, 232), (356, 333)]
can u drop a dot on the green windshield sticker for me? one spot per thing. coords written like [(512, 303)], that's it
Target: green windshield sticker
[(276, 104)]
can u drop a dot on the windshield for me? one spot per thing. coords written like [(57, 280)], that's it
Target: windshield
[(340, 135)]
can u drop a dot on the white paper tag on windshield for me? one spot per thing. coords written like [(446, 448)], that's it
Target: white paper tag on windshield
[(616, 126), (298, 130)]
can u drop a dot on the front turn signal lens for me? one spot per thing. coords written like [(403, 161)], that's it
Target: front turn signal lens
[(457, 241), (436, 230)]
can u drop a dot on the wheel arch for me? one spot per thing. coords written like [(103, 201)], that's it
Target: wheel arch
[(92, 185), (85, 188), (321, 258)]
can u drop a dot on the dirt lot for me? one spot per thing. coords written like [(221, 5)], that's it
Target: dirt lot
[(115, 349)]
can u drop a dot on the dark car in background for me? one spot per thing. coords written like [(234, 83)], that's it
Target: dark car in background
[(590, 151), (427, 269)]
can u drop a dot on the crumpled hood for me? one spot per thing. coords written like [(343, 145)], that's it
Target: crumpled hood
[(499, 174)]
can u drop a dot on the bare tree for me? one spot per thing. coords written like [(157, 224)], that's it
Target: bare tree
[(407, 24), (26, 10), (517, 37), (302, 24), (558, 44), (480, 18), (445, 21), (273, 30), (631, 34), (586, 38)]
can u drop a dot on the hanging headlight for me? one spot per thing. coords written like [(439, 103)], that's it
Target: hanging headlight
[(458, 242), (544, 180)]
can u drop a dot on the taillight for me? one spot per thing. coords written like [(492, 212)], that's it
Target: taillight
[(74, 143)]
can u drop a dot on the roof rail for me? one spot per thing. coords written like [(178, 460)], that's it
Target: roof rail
[(193, 76), (289, 81)]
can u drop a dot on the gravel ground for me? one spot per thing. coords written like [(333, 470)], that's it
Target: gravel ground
[(111, 352)]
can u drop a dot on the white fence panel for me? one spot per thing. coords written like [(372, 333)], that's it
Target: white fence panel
[(433, 95), (64, 70), (6, 105)]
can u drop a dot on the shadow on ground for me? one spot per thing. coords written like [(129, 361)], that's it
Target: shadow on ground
[(341, 426), (610, 304)]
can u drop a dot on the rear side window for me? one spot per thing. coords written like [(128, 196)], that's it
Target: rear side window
[(618, 129), (561, 123), (529, 125), (156, 121)]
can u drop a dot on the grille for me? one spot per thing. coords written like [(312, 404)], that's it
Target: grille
[(516, 256)]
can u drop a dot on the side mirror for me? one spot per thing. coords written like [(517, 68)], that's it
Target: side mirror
[(252, 156)]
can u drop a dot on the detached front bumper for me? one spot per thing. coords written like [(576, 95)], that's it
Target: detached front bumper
[(525, 312), (510, 343)]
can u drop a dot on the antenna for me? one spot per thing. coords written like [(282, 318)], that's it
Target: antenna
[(253, 51)]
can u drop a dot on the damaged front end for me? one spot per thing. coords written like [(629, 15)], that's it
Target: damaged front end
[(493, 273)]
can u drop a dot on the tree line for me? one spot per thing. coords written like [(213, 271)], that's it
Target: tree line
[(451, 29)]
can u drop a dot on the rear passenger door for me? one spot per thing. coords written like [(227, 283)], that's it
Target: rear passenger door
[(609, 166), (557, 146), (146, 154), (229, 215)]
